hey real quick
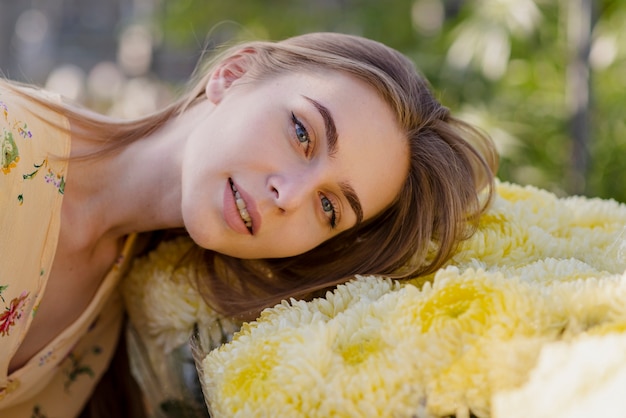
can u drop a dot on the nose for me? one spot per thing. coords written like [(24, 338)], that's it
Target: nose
[(290, 191)]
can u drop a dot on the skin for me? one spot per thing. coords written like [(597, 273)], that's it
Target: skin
[(287, 183), (179, 176)]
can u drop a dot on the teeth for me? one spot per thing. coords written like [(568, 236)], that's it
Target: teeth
[(246, 217), (241, 205)]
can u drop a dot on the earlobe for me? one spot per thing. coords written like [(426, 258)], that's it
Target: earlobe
[(227, 73)]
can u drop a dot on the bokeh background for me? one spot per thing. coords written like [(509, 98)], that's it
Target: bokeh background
[(545, 78)]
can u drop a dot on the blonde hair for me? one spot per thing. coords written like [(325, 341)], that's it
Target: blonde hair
[(451, 163)]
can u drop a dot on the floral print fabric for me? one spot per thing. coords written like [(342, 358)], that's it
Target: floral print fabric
[(58, 380)]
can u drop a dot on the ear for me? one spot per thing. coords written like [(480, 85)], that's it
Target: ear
[(227, 73)]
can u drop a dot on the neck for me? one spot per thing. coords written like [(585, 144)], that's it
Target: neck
[(136, 189)]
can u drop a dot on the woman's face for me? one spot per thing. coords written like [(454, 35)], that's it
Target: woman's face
[(279, 166)]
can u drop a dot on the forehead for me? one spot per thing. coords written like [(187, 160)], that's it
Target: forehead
[(372, 151)]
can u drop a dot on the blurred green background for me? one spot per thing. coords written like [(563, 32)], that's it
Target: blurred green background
[(545, 78)]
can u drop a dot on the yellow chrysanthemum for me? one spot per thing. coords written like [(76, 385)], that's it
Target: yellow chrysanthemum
[(539, 270), (340, 351), (461, 319), (526, 224)]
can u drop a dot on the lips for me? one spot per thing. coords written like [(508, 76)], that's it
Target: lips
[(240, 212), (241, 206)]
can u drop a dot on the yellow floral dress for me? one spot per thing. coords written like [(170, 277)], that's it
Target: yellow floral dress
[(57, 381)]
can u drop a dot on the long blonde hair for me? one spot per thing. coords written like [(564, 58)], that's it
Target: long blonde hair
[(451, 164)]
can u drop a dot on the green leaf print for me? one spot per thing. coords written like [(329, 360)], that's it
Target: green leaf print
[(3, 287), (30, 176), (10, 154)]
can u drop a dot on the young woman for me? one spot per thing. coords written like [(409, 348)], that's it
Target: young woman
[(292, 165)]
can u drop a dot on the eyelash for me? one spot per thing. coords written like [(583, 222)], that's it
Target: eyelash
[(332, 219), (302, 136), (299, 131)]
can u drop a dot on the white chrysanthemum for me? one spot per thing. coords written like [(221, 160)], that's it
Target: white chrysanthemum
[(161, 301), (578, 379)]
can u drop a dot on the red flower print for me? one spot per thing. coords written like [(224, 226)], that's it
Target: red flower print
[(12, 313)]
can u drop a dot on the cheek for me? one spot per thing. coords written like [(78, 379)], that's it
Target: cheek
[(301, 238), (194, 221)]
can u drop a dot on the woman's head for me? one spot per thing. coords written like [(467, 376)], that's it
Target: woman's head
[(279, 165), (438, 202)]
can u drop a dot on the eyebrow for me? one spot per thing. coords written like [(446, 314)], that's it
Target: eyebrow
[(329, 124), (331, 140), (353, 200)]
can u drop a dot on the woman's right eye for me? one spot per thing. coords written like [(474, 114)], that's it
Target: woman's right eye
[(302, 135)]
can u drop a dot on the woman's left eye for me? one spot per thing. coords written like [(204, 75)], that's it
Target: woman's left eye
[(302, 135), (329, 210)]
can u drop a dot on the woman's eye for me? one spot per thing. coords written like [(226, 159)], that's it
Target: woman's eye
[(302, 135), (329, 210)]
